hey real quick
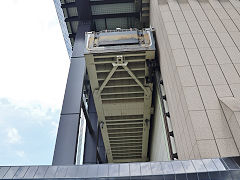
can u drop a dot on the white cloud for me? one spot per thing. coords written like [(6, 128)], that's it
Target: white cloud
[(13, 136), (33, 71), (34, 61), (53, 133), (20, 153)]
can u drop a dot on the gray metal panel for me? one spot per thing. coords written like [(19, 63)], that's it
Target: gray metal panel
[(145, 169), (65, 148), (73, 92), (92, 171), (219, 164), (210, 166), (188, 166), (156, 168), (31, 172), (199, 166), (66, 143), (51, 171), (3, 171), (113, 170), (79, 44), (72, 171), (135, 169), (82, 171), (20, 172), (41, 172), (11, 172), (61, 171), (167, 167), (103, 170), (178, 167), (124, 169)]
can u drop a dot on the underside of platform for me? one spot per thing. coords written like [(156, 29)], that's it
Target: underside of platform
[(118, 69)]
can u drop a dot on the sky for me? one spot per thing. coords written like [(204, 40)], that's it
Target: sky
[(33, 72)]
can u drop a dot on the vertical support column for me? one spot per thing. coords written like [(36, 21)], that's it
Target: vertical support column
[(101, 148), (67, 137), (94, 148), (90, 147)]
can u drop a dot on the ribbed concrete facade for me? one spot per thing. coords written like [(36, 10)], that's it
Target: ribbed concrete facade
[(199, 43)]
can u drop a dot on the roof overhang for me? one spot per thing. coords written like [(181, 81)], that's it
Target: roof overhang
[(105, 14)]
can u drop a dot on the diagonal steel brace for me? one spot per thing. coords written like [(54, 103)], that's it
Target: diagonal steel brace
[(136, 79), (106, 80)]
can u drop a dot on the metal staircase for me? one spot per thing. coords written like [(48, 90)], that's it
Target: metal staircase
[(117, 64)]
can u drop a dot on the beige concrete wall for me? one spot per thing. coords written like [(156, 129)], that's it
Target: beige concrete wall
[(159, 145), (199, 46)]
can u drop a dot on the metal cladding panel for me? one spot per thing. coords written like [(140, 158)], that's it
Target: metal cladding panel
[(66, 140), (10, 173), (117, 64), (73, 92), (177, 170), (20, 172)]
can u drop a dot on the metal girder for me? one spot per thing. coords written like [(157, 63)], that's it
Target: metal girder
[(104, 16), (88, 122), (73, 35), (73, 18), (84, 9), (68, 5), (67, 136), (110, 2), (90, 146)]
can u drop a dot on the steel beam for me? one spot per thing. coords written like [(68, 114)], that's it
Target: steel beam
[(111, 2), (73, 35), (90, 147), (84, 9), (67, 137), (103, 16), (117, 15), (68, 5)]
